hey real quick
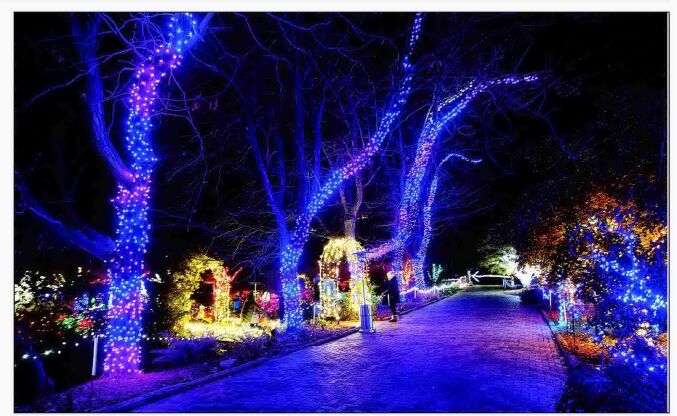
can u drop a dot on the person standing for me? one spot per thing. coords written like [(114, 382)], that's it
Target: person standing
[(392, 294), (316, 288)]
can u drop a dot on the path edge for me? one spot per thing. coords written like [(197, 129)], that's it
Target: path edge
[(427, 304), (568, 361), (145, 398)]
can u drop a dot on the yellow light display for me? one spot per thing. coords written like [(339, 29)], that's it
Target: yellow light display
[(339, 249), (335, 253)]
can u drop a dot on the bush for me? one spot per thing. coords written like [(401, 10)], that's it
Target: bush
[(176, 302), (347, 311), (182, 352), (531, 296), (251, 347)]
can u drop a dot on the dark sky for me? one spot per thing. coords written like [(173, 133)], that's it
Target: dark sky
[(618, 62), (606, 65)]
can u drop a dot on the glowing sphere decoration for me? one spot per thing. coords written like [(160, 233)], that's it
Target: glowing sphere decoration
[(126, 300)]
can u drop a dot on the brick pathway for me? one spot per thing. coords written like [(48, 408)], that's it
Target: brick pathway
[(478, 351)]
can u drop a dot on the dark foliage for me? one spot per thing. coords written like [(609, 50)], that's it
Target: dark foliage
[(617, 388), (531, 296)]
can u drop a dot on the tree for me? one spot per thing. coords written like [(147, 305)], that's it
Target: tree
[(441, 113), (291, 253), (610, 252), (419, 260), (158, 51), (502, 261)]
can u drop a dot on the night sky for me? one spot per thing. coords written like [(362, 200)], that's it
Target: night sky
[(603, 54), (604, 118)]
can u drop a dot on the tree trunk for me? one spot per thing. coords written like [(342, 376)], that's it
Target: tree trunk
[(349, 227), (291, 254)]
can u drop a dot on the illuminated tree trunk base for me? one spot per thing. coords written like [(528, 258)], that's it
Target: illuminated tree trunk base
[(419, 276), (292, 315), (123, 351), (126, 294)]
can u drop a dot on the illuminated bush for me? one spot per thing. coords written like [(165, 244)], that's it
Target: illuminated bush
[(623, 249), (610, 254), (184, 282), (501, 261)]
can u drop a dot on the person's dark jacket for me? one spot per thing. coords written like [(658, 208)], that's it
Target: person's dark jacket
[(392, 293)]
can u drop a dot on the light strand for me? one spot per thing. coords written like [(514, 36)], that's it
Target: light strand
[(427, 219), (291, 253), (127, 295), (446, 111)]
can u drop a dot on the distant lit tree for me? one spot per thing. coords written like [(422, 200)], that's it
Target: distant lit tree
[(502, 261)]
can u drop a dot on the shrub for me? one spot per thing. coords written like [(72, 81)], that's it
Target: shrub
[(347, 311), (182, 352), (176, 304), (251, 347), (531, 296)]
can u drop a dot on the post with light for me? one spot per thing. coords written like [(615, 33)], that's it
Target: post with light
[(94, 356), (366, 318)]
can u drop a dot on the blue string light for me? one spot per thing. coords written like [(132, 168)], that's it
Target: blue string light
[(127, 295), (626, 283), (439, 116), (418, 261), (634, 294), (291, 292)]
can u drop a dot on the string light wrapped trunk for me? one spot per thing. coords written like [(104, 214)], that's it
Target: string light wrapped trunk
[(291, 253), (127, 294), (438, 118), (427, 220)]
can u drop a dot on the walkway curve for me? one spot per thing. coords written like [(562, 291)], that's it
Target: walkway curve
[(477, 351)]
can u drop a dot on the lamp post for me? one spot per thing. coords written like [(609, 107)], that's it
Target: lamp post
[(366, 319), (96, 348)]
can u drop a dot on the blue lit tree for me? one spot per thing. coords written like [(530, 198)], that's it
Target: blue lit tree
[(622, 251), (291, 252), (419, 259), (158, 50), (441, 113), (608, 253), (127, 296)]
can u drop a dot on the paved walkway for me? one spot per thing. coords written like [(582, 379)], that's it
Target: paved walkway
[(478, 351)]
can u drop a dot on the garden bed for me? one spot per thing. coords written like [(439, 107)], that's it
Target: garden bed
[(108, 390), (596, 384)]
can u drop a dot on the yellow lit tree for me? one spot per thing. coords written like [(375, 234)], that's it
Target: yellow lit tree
[(336, 253), (185, 281)]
